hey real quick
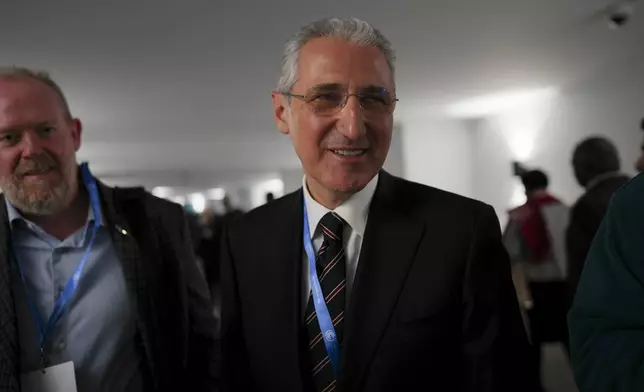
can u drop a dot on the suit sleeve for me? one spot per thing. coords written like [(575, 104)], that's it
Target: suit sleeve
[(203, 343), (495, 344), (607, 318), (235, 366)]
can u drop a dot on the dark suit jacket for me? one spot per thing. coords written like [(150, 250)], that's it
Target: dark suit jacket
[(606, 320), (585, 217), (175, 323), (432, 306)]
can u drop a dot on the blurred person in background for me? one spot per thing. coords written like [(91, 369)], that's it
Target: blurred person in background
[(206, 222), (596, 165), (359, 280), (98, 285), (230, 211), (270, 197), (534, 239), (607, 318), (209, 248), (639, 163)]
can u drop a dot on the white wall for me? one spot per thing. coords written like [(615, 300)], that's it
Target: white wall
[(394, 164), (438, 152), (611, 104), (292, 179), (492, 180)]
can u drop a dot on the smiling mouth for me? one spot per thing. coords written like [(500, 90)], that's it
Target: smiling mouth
[(350, 152), (34, 173)]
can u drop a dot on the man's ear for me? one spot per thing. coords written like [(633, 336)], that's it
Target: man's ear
[(281, 111), (77, 131)]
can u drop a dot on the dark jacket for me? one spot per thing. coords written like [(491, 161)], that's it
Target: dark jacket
[(175, 324), (585, 217), (607, 317), (432, 305)]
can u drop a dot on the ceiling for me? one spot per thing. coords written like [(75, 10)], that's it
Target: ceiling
[(184, 86)]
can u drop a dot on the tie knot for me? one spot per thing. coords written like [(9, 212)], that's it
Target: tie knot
[(331, 226)]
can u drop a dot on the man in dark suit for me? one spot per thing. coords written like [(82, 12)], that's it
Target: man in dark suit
[(361, 281), (606, 320), (596, 165), (98, 285)]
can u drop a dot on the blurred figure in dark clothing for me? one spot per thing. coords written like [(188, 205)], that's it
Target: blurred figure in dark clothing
[(639, 164), (195, 231), (270, 197), (597, 168), (196, 235), (230, 211), (209, 247)]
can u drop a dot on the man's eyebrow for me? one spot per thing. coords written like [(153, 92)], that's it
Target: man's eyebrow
[(373, 89), (328, 87), (22, 127)]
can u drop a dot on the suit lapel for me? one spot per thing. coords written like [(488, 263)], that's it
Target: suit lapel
[(388, 250), (9, 349)]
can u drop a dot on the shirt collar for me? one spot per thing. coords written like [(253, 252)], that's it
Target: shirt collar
[(14, 215), (601, 178), (354, 211)]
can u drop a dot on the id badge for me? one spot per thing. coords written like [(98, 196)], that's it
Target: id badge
[(59, 378)]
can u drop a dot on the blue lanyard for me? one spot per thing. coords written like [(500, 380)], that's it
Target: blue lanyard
[(321, 310), (72, 284)]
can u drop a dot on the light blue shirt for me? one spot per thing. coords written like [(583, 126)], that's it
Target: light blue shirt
[(98, 330)]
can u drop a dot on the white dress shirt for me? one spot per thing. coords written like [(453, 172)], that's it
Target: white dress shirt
[(355, 212)]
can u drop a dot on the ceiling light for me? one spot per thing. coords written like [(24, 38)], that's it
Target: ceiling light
[(198, 202), (179, 200), (216, 194), (163, 192)]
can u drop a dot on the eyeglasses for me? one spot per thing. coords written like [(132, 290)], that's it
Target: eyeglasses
[(376, 101)]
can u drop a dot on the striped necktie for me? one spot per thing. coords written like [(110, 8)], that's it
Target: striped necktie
[(331, 268)]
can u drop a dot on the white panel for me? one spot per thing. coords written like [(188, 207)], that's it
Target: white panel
[(438, 152)]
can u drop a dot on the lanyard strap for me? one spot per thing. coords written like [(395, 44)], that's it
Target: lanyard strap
[(324, 318), (72, 284)]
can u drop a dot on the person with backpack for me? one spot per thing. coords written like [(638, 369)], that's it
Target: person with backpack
[(535, 241)]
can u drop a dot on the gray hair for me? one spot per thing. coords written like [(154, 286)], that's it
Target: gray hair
[(353, 30), (14, 72)]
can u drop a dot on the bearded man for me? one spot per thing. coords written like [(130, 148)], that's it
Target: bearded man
[(99, 289)]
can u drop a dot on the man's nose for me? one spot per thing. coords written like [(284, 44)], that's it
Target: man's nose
[(31, 144), (351, 119)]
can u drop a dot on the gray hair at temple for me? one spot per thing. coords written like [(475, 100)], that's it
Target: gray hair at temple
[(353, 30), (13, 72)]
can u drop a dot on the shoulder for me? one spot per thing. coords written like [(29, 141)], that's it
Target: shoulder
[(627, 200), (155, 207), (603, 192), (426, 201), (595, 201), (520, 213), (624, 212), (631, 190), (278, 212)]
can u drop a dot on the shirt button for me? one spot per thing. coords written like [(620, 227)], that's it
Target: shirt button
[(62, 346)]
